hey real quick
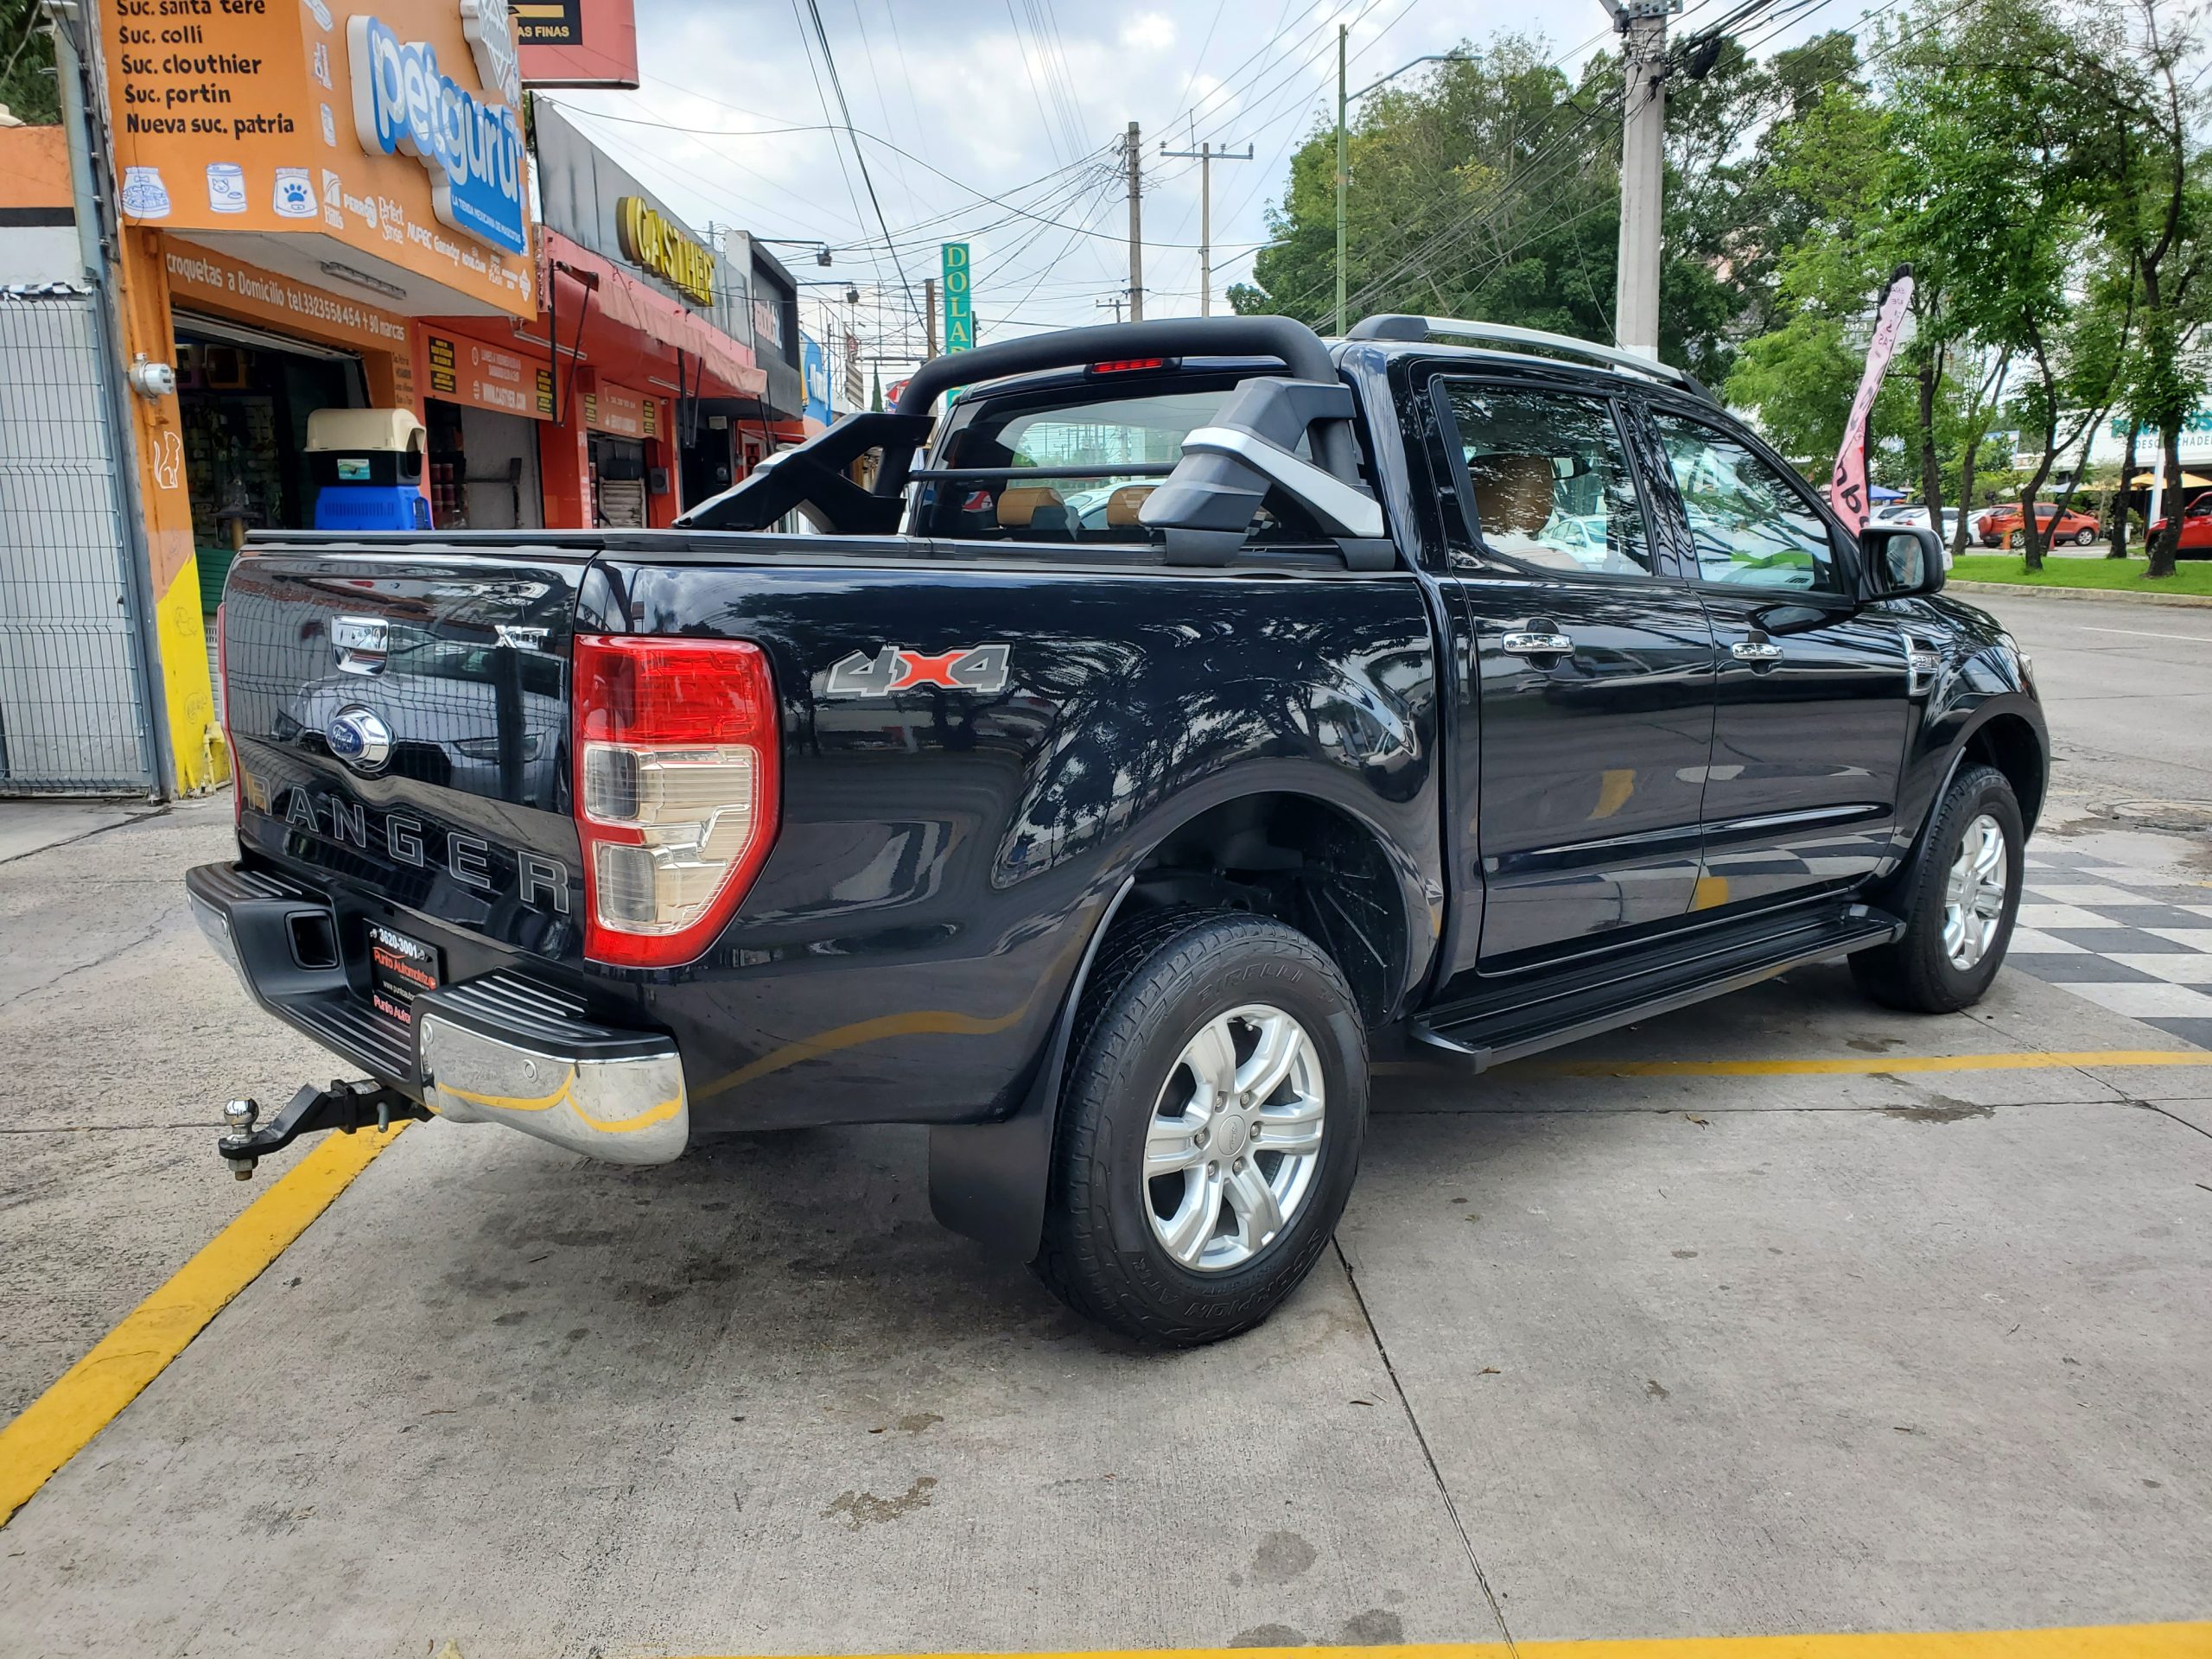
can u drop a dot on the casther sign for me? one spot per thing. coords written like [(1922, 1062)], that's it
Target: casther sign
[(649, 239), (402, 102)]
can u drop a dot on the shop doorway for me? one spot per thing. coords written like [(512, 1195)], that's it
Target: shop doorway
[(243, 395), (618, 482), (484, 469), (708, 469)]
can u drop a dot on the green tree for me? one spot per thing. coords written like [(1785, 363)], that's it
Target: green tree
[(1493, 190), (2139, 110), (1485, 191), (26, 64), (1826, 165), (1986, 142)]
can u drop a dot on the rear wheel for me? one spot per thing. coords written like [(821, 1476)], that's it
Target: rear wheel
[(2017, 538), (1209, 1128), (1958, 911)]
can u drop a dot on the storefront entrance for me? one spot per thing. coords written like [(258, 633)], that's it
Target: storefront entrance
[(244, 398), (243, 395), (618, 481), (483, 468)]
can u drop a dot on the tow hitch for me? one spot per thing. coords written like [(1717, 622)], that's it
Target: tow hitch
[(347, 1106)]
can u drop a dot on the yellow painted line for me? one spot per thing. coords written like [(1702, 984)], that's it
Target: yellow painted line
[(87, 1396), (2091, 1642), (1871, 1065)]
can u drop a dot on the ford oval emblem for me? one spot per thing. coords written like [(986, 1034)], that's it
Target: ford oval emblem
[(358, 737)]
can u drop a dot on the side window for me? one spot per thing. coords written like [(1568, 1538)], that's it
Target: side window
[(1550, 478), (1751, 525)]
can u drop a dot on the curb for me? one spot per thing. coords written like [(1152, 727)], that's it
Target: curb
[(1964, 586)]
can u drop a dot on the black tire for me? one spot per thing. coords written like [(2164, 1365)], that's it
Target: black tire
[(2085, 537), (1156, 986), (1918, 973)]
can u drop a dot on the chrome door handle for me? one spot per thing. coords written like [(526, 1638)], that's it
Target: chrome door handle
[(1537, 645), (1756, 651)]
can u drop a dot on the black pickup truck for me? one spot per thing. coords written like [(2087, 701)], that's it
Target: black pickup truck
[(1101, 772)]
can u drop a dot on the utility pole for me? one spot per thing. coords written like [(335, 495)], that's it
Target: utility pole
[(1206, 155), (1116, 301), (1344, 177), (1135, 149), (929, 313), (1642, 24)]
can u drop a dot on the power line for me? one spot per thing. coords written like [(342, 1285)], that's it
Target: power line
[(859, 156), (1096, 157)]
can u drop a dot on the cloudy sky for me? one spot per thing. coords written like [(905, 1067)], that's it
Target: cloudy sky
[(1000, 122)]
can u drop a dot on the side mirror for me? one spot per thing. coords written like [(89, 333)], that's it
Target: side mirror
[(1899, 561)]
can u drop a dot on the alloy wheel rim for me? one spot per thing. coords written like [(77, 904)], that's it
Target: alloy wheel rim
[(1235, 1138), (1973, 893)]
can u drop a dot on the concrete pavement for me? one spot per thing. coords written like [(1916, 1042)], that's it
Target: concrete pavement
[(1784, 1313)]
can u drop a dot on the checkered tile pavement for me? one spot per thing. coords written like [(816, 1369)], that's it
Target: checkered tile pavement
[(2130, 940)]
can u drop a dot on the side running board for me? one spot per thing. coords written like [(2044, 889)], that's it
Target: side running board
[(1528, 1020)]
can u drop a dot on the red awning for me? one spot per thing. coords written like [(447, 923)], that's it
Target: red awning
[(625, 301)]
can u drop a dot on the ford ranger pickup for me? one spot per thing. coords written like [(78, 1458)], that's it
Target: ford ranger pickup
[(1103, 770)]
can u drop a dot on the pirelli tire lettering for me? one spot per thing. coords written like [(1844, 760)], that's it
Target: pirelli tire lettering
[(901, 668)]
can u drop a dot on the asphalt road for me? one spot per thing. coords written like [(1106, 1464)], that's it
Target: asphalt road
[(1782, 1314), (2128, 692)]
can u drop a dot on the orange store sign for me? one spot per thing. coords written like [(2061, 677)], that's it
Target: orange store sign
[(620, 411), (201, 277), (247, 115), (464, 371)]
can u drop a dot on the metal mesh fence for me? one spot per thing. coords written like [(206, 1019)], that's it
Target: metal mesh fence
[(72, 699)]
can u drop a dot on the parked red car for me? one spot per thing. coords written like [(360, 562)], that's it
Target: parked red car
[(2003, 526), (2196, 530)]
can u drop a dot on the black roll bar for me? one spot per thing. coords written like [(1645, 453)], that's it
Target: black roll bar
[(1300, 348)]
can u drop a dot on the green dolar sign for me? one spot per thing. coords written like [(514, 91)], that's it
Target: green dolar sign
[(959, 312)]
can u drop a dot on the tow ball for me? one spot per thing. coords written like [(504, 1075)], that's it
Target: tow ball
[(343, 1106)]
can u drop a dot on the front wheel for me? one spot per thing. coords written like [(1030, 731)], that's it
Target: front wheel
[(2085, 537), (1209, 1128), (1959, 910)]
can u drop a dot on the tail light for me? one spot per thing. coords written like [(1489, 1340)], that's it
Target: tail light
[(678, 753), (1130, 364)]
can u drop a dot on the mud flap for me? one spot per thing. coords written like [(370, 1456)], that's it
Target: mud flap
[(990, 1182)]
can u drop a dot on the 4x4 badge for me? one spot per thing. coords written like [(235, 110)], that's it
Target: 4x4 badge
[(899, 668)]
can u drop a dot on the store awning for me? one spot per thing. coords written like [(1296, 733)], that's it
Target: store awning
[(622, 298), (2149, 480)]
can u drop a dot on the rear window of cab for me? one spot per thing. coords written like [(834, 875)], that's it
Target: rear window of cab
[(1089, 455)]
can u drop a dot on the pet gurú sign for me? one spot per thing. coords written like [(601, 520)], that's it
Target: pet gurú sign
[(404, 103)]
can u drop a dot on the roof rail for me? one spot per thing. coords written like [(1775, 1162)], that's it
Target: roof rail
[(1405, 327)]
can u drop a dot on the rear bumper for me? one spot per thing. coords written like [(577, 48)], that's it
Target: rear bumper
[(501, 1048)]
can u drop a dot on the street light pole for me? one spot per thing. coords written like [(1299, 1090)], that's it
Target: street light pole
[(1642, 24), (1206, 155)]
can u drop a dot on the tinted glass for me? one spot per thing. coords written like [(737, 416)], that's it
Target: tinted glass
[(1551, 480), (1095, 433), (1751, 525)]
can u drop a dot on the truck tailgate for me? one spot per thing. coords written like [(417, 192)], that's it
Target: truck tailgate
[(399, 722)]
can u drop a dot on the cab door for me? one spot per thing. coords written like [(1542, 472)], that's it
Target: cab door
[(1589, 678), (1812, 691)]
